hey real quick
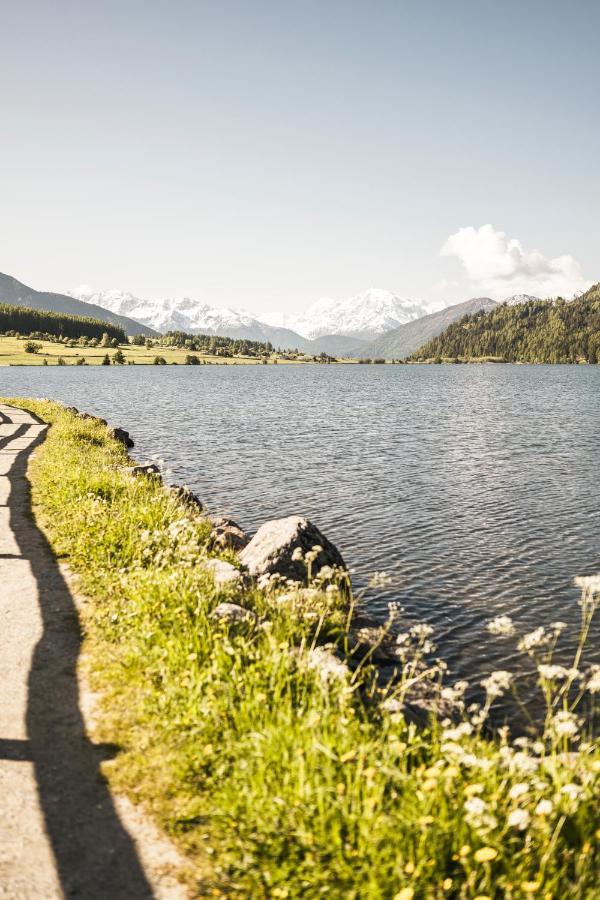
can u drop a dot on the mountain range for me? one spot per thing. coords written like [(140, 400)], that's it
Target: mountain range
[(376, 323), (332, 326), (18, 294)]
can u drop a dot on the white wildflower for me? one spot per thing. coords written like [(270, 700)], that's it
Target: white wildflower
[(593, 680), (501, 625), (455, 734), (402, 639), (534, 639), (544, 808), (421, 631), (518, 790), (298, 555), (552, 672), (519, 818), (379, 580), (497, 683), (589, 583), (558, 627), (564, 724), (475, 807), (571, 791)]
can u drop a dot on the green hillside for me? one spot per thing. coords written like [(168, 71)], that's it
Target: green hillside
[(23, 320), (538, 331)]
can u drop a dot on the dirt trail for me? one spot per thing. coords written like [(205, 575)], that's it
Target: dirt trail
[(62, 832)]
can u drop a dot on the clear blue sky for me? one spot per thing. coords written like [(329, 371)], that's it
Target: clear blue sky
[(264, 154)]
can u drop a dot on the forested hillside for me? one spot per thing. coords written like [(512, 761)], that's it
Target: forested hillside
[(538, 331), (25, 321)]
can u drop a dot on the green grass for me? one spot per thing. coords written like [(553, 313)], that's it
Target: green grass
[(12, 353), (275, 781)]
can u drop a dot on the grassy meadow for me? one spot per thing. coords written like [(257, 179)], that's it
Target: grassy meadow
[(12, 353), (283, 779)]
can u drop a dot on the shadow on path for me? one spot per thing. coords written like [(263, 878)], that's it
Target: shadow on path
[(95, 856)]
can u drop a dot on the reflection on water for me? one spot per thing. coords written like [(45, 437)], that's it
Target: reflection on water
[(475, 487)]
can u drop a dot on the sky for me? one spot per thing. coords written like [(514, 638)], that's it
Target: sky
[(265, 154)]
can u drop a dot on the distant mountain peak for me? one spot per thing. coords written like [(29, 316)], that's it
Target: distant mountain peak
[(363, 316), (516, 299)]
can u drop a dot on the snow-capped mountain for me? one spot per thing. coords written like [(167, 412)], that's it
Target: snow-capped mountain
[(518, 298), (336, 326), (364, 316), (170, 314)]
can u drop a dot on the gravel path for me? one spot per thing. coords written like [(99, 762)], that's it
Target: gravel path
[(62, 832)]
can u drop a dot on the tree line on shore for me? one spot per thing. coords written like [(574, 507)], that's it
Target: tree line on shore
[(537, 331)]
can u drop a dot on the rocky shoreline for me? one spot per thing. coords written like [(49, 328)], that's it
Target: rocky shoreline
[(292, 556)]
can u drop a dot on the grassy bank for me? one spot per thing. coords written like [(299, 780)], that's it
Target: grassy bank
[(280, 778)]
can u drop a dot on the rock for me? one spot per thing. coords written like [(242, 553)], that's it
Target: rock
[(119, 434), (227, 534), (186, 496), (83, 415), (150, 469), (72, 409), (223, 572), (327, 664), (233, 614), (278, 547)]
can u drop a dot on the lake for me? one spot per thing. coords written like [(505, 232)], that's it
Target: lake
[(476, 488)]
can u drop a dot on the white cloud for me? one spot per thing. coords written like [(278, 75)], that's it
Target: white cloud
[(500, 266)]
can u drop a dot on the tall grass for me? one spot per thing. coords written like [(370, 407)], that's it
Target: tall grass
[(282, 778)]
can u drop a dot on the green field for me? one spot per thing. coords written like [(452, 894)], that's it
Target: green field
[(12, 353)]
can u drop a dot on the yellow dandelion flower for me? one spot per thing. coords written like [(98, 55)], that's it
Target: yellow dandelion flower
[(409, 868), (530, 887), (464, 850), (430, 784), (426, 820), (485, 854), (447, 884)]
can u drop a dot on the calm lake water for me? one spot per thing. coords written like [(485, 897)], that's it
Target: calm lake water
[(477, 488)]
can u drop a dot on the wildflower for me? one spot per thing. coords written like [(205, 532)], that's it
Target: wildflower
[(519, 818), (571, 791), (402, 639), (421, 631), (564, 724), (552, 673), (455, 734), (532, 640), (409, 868), (517, 790), (544, 808), (464, 850), (485, 854), (558, 626), (590, 583), (379, 580), (530, 887), (298, 555), (447, 884), (501, 625), (593, 681), (497, 683)]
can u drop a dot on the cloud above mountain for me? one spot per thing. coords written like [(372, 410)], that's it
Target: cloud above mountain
[(499, 265)]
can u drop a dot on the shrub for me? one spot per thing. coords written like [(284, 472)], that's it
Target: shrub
[(32, 347)]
